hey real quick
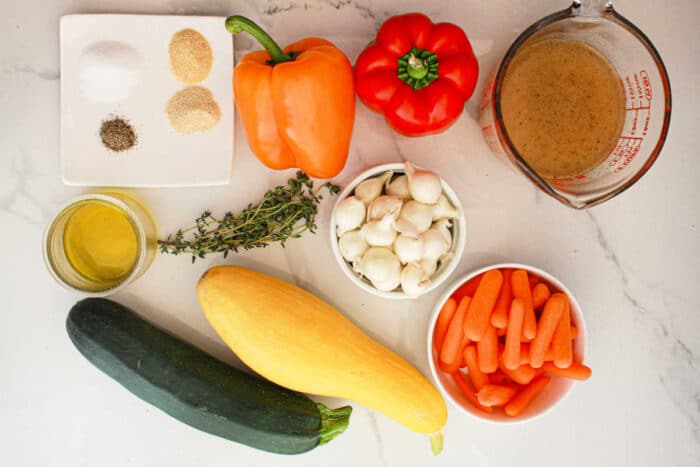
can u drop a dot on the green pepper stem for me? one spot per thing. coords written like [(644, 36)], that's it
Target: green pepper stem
[(418, 68), (237, 24), (333, 422)]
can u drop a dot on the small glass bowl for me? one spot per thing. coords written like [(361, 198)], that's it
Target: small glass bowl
[(61, 268)]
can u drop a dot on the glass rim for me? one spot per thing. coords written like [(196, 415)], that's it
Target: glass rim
[(133, 219), (609, 14)]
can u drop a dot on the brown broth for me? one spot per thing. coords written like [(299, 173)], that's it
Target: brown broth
[(563, 107)]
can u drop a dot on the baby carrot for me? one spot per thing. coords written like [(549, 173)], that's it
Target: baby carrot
[(449, 354), (499, 317), (577, 371), (500, 332), (553, 310), (443, 321), (532, 280), (468, 289), (521, 289), (462, 346), (494, 395), (459, 362), (522, 399), (511, 354), (482, 303), (487, 351), (574, 330), (477, 376), (468, 391), (498, 378), (521, 375), (525, 354), (540, 295), (561, 340)]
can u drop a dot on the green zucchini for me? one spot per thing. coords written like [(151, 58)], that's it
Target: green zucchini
[(194, 387)]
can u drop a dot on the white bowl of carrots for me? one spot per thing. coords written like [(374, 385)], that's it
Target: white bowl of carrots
[(506, 343)]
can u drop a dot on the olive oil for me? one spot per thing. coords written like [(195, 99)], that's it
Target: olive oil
[(101, 243)]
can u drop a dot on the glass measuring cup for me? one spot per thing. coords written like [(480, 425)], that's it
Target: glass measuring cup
[(647, 102)]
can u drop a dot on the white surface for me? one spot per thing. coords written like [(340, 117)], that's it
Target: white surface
[(460, 233), (633, 263), (162, 156), (556, 391)]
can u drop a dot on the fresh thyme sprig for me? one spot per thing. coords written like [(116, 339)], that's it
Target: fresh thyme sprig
[(285, 212)]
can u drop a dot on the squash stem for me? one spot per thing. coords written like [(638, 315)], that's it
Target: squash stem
[(436, 442), (333, 422)]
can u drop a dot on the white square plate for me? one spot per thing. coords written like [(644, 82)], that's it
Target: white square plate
[(162, 156)]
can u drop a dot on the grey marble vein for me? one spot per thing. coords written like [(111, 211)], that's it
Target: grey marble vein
[(395, 144), (43, 74), (276, 8), (681, 379), (16, 189), (378, 435)]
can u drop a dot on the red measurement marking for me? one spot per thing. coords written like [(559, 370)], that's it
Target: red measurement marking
[(639, 108), (624, 153), (488, 91)]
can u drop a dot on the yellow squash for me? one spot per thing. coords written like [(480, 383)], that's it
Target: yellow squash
[(298, 341)]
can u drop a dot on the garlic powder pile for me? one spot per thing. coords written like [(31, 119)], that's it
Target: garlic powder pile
[(191, 57), (193, 109)]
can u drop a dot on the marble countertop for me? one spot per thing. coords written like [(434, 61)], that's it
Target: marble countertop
[(633, 263)]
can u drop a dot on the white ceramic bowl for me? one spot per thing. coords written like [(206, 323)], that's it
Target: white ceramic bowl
[(557, 389), (459, 236)]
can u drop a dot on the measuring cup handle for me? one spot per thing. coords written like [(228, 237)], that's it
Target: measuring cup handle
[(591, 7)]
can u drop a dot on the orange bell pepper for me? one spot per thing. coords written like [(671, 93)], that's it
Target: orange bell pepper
[(298, 105)]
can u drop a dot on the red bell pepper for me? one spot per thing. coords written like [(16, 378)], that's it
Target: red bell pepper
[(418, 74)]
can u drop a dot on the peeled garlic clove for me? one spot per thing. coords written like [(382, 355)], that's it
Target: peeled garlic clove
[(415, 218), (387, 286), (408, 249), (380, 232), (399, 187), (383, 206), (349, 214), (429, 266), (443, 209), (437, 240), (381, 266), (414, 280), (371, 188), (352, 245), (425, 186)]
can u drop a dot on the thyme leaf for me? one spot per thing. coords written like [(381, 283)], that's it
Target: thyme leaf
[(286, 211)]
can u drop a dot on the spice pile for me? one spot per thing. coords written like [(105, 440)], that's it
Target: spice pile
[(192, 109), (117, 134), (108, 70), (190, 56)]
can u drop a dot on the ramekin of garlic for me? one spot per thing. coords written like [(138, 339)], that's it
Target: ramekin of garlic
[(398, 231)]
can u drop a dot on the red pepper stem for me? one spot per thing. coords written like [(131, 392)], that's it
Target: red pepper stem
[(237, 24), (418, 68)]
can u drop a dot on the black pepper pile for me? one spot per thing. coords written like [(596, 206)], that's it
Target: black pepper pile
[(118, 135)]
